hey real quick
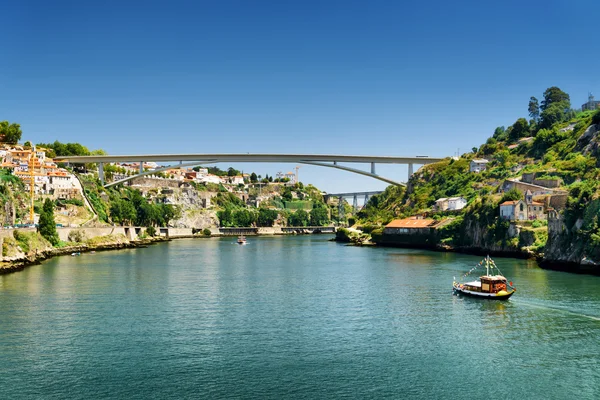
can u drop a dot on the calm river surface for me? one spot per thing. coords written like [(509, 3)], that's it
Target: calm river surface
[(292, 317)]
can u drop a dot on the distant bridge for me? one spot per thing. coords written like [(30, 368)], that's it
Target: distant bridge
[(188, 160), (355, 196)]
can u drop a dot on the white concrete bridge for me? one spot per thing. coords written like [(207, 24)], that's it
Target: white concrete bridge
[(189, 160)]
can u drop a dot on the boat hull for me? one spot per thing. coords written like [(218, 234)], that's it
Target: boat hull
[(482, 295)]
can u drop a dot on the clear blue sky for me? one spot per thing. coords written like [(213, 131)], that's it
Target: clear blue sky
[(341, 77)]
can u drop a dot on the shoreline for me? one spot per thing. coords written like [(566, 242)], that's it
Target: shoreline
[(12, 266), (552, 265)]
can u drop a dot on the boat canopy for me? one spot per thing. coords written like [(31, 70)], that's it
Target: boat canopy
[(493, 278), (474, 283)]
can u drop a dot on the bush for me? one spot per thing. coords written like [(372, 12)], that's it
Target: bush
[(206, 232), (77, 236), (596, 118), (151, 231)]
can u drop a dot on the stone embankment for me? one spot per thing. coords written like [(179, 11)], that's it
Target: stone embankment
[(24, 247)]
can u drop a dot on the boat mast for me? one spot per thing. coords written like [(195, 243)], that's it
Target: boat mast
[(487, 265)]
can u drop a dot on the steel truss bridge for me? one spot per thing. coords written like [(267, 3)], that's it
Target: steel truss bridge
[(192, 160)]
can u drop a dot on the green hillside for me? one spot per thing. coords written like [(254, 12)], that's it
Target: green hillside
[(561, 146)]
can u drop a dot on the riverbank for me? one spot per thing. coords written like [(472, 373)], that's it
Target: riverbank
[(114, 238), (33, 258), (589, 268)]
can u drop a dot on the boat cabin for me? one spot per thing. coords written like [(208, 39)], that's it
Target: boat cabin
[(487, 284)]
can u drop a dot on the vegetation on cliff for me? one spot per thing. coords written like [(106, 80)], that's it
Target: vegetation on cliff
[(559, 145)]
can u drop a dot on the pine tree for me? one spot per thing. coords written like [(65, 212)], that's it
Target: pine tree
[(47, 226)]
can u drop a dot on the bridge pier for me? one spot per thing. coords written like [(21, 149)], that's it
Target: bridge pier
[(366, 199), (410, 170), (141, 167), (355, 203), (101, 172), (373, 168), (340, 209)]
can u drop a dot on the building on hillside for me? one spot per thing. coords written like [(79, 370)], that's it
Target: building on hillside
[(409, 226), (450, 204), (232, 180), (478, 165), (523, 187), (515, 210), (456, 203), (591, 104), (201, 172), (535, 210), (209, 179), (441, 204)]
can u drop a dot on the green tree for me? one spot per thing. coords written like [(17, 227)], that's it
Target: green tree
[(319, 216), (47, 226), (510, 195), (232, 172), (534, 109), (554, 95), (266, 217), (555, 112), (11, 132), (299, 218), (244, 218), (225, 217), (519, 129), (253, 178)]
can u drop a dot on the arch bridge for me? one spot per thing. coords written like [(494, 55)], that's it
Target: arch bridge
[(192, 160)]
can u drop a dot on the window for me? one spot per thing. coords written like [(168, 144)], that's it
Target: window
[(521, 207)]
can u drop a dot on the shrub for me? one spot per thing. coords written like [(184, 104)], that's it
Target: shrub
[(77, 236), (151, 231), (206, 232)]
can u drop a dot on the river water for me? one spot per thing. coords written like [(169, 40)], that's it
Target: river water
[(292, 317)]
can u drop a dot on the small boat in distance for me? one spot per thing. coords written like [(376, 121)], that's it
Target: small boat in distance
[(495, 287), (241, 239)]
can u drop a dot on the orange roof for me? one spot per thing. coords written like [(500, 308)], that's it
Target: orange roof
[(535, 203), (510, 203), (410, 223)]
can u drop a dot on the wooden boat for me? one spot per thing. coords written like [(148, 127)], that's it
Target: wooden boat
[(494, 287), (241, 239)]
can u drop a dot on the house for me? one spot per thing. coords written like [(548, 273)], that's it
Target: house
[(441, 204), (409, 226), (535, 210), (450, 204), (456, 203), (591, 104), (478, 165), (515, 210)]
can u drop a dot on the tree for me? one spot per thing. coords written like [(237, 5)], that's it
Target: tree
[(511, 195), (554, 95), (319, 216), (27, 144), (253, 178), (555, 112), (11, 132), (47, 226), (534, 109), (232, 172), (499, 133), (299, 218), (266, 217), (519, 129)]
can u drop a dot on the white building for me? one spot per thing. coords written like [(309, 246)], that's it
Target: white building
[(456, 203), (232, 180), (209, 179), (478, 165)]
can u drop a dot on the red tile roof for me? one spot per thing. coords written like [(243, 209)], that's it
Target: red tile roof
[(410, 223), (510, 203)]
